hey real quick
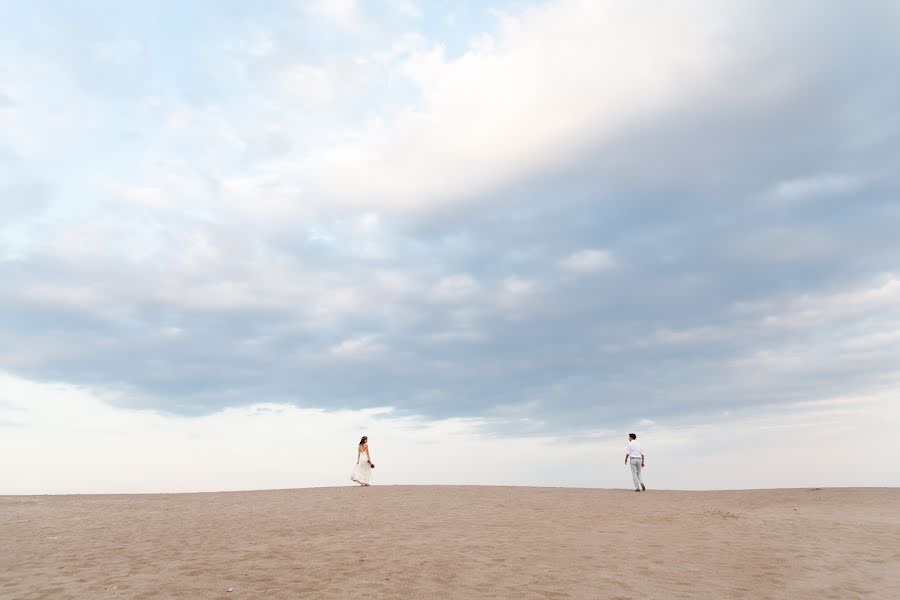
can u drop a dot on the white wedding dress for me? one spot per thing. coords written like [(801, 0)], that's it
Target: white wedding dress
[(362, 470)]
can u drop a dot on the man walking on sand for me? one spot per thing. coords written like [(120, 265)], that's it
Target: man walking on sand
[(635, 456)]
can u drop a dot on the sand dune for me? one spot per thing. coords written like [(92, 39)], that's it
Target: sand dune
[(454, 542)]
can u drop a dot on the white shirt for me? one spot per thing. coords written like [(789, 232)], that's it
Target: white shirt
[(634, 449)]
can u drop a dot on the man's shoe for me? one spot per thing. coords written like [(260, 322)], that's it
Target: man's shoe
[(643, 488), (637, 490)]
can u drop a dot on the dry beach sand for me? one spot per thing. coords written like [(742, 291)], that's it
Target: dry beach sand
[(454, 542)]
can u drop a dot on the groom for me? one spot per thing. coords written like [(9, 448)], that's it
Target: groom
[(635, 455)]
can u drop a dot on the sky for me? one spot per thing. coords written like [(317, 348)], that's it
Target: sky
[(494, 237)]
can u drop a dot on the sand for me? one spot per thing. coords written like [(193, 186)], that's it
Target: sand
[(454, 542)]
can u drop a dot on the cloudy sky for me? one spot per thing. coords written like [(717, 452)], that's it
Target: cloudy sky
[(495, 237)]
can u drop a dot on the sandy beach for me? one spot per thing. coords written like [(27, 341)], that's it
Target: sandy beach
[(454, 542)]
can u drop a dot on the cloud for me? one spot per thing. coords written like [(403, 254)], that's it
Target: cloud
[(345, 13), (818, 186), (407, 8), (455, 288), (310, 83), (6, 100), (585, 261), (817, 310), (357, 348), (282, 202), (491, 114)]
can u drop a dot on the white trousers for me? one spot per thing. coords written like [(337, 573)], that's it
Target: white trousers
[(636, 472)]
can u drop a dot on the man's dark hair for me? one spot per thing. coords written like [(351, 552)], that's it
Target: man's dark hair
[(632, 436)]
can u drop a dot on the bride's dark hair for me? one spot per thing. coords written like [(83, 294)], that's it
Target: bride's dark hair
[(363, 440)]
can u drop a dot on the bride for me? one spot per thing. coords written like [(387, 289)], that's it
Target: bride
[(363, 468)]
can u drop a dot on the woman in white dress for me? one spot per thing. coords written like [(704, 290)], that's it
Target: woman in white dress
[(363, 467)]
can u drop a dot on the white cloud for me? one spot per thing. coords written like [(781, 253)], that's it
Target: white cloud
[(516, 295), (854, 331), (345, 13), (367, 223), (696, 335), (844, 311), (820, 186), (406, 7), (261, 45), (68, 439), (585, 261), (820, 309), (151, 197), (520, 101), (455, 288), (357, 348), (308, 82), (518, 286), (402, 47), (464, 333)]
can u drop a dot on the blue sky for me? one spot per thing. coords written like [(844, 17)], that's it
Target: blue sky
[(544, 220)]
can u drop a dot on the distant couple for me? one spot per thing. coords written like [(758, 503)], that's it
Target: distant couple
[(635, 456), (363, 467)]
